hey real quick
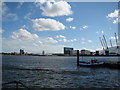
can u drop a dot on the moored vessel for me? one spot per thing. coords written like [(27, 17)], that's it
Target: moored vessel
[(91, 63)]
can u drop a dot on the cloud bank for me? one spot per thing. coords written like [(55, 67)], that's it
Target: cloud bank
[(43, 24)]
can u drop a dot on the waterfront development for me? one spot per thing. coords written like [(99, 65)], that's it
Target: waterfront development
[(58, 72), (59, 44)]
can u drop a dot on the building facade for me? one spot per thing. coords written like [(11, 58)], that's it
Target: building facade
[(21, 51), (85, 52), (74, 52), (68, 51)]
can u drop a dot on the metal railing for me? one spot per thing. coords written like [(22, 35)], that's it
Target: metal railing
[(17, 84)]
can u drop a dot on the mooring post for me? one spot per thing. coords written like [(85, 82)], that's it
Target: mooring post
[(17, 85), (77, 57)]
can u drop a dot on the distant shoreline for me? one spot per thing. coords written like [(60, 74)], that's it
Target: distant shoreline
[(69, 55)]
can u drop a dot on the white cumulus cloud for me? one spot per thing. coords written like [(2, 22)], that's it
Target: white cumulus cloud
[(67, 40), (40, 1), (51, 40), (116, 21), (90, 41), (56, 8), (114, 15), (43, 1), (43, 24), (100, 32), (84, 27), (60, 36), (69, 19), (31, 42), (14, 45), (23, 34), (72, 27)]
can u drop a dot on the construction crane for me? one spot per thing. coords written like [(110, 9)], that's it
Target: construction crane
[(101, 43)]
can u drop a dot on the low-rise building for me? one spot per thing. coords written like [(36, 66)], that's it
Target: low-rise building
[(85, 52), (74, 52), (68, 51)]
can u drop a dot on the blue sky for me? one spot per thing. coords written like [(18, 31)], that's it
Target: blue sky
[(50, 26)]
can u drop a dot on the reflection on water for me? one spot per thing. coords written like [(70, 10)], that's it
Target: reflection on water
[(58, 72)]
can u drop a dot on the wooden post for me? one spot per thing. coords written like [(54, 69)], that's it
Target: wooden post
[(17, 85), (77, 57)]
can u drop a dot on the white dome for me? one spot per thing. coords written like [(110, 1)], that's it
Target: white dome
[(112, 50)]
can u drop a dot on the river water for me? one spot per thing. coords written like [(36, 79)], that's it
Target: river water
[(58, 72)]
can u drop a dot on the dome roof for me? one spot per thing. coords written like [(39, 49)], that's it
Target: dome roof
[(112, 50)]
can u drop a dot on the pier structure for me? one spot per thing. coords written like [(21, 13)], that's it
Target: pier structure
[(78, 57)]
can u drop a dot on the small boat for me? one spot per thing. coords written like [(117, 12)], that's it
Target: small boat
[(91, 63)]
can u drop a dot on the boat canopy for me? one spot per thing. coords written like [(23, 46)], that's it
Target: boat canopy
[(94, 60)]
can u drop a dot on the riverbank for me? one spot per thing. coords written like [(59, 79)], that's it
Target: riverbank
[(66, 55)]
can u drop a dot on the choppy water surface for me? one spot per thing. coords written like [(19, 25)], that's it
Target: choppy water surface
[(58, 72)]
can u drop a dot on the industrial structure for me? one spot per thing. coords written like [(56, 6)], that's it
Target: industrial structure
[(112, 50)]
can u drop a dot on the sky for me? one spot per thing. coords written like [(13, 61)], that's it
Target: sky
[(50, 26)]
